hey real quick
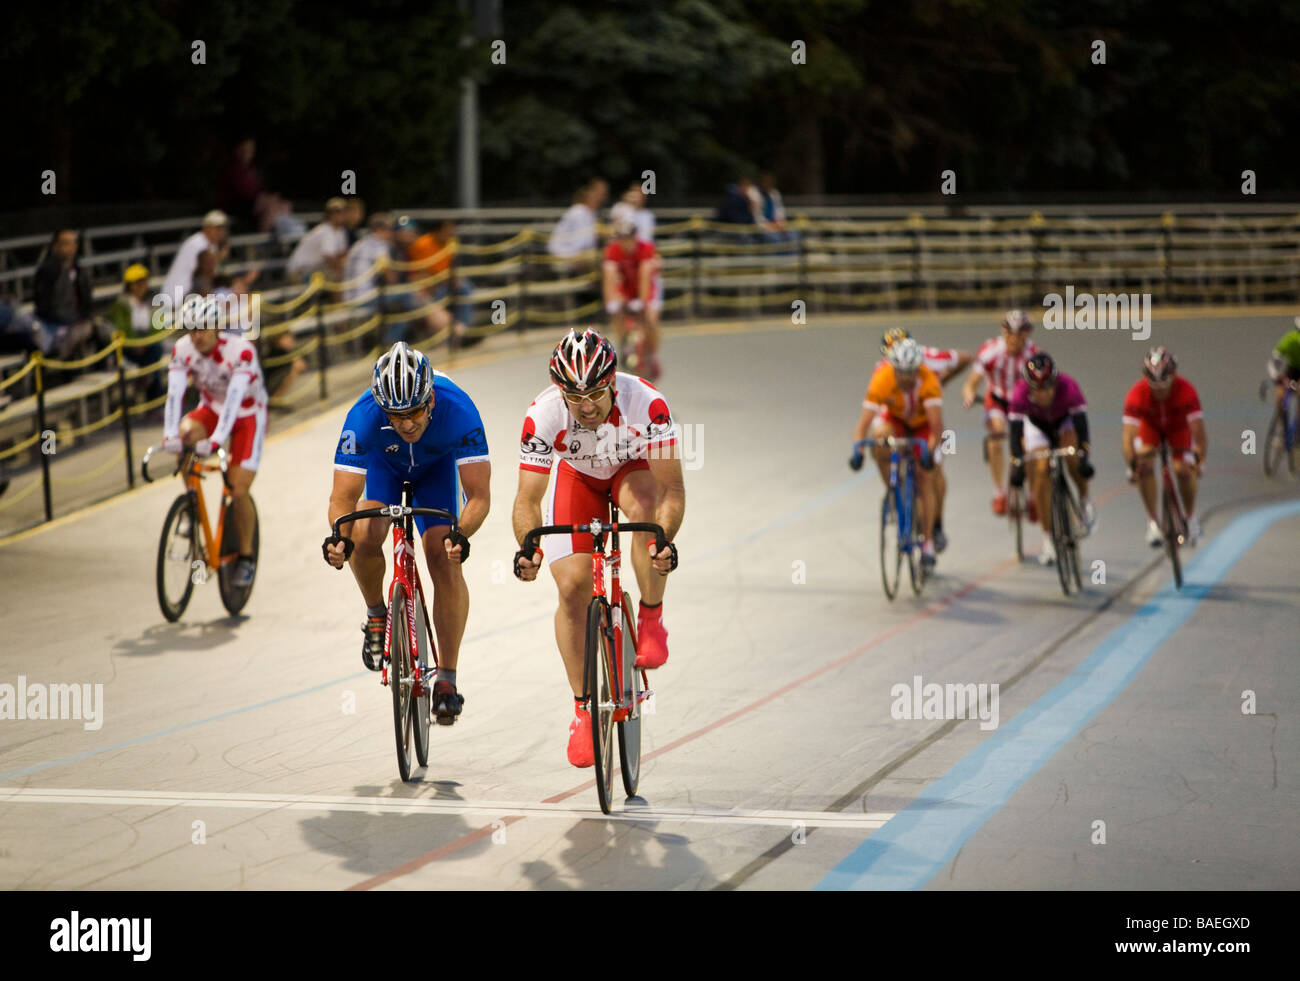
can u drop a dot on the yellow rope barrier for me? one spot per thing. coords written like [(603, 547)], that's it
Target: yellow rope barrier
[(149, 406), (20, 446), (21, 373), (354, 332), (12, 499), (90, 359), (91, 427), (89, 474), (560, 316)]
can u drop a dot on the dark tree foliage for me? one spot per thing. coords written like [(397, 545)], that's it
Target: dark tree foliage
[(891, 93)]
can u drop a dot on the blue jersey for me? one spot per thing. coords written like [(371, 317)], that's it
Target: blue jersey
[(369, 443)]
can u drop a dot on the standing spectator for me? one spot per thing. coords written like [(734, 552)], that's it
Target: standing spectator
[(632, 206), (575, 232), (356, 214), (399, 302), (132, 316), (211, 237), (239, 185), (63, 298), (323, 249), (438, 250)]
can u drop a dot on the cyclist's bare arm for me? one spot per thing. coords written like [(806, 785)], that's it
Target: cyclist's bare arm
[(344, 496), (476, 481), (1127, 436), (611, 284), (934, 416), (667, 474), (970, 389), (964, 358), (527, 515), (864, 425), (1199, 440), (644, 274)]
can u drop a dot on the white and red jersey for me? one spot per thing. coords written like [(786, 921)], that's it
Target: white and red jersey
[(212, 372), (628, 262), (1000, 367), (937, 359), (1168, 415), (639, 425)]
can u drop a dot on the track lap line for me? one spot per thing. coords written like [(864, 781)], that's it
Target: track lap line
[(912, 848)]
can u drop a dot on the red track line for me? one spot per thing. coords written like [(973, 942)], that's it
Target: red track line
[(481, 833)]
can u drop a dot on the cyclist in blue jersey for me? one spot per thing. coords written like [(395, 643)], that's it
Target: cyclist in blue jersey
[(414, 424)]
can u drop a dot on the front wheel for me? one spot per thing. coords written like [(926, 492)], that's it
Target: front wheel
[(1169, 527), (424, 704), (1061, 540), (891, 548), (600, 698), (177, 562), (400, 679), (629, 731), (234, 597), (1015, 511), (1274, 443)]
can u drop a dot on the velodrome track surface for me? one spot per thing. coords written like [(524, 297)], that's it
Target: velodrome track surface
[(772, 759)]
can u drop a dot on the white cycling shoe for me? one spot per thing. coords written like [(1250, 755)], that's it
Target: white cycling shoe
[(1154, 536), (1193, 531), (1047, 554)]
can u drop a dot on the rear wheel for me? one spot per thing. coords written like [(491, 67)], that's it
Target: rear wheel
[(891, 550), (600, 698), (629, 731), (400, 679), (1274, 443), (424, 704), (1015, 506), (234, 597), (177, 551)]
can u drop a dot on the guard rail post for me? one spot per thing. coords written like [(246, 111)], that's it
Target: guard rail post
[(323, 362), (40, 428), (126, 413)]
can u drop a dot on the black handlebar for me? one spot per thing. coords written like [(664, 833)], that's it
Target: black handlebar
[(529, 547)]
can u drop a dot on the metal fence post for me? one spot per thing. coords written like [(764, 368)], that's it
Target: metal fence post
[(126, 412), (40, 429), (323, 360)]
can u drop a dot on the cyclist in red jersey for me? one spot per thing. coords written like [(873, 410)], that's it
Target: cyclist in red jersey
[(630, 282), (1164, 406), (1001, 360)]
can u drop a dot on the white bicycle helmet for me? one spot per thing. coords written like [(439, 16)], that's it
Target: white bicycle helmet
[(906, 355), (403, 379)]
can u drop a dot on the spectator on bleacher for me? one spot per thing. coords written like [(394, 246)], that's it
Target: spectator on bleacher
[(239, 185), (132, 317), (210, 238), (63, 303), (437, 250), (737, 207), (19, 332), (324, 249), (356, 214), (436, 319), (575, 232), (632, 206), (773, 205), (361, 270)]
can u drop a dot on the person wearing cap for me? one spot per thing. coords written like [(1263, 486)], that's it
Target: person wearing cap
[(132, 316), (211, 237), (324, 249)]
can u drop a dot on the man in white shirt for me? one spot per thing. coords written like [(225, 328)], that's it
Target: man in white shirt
[(576, 230), (362, 257), (324, 248), (211, 236)]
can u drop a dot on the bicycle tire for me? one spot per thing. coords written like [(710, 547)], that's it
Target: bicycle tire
[(915, 568), (888, 521), (1291, 431), (629, 731), (423, 708), (599, 698), (173, 609), (1169, 528), (233, 597), (399, 679), (1015, 505), (1274, 442), (1060, 531), (1076, 522)]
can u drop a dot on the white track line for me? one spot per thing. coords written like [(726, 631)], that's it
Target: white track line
[(397, 805)]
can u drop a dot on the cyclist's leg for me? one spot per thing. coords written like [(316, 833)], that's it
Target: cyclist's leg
[(652, 317), (1183, 462), (1066, 436), (367, 563), (197, 424), (1145, 444), (995, 421), (246, 440), (438, 488), (637, 495), (1036, 475), (882, 427)]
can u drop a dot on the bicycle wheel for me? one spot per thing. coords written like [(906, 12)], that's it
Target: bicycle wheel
[(629, 731), (1274, 443), (1061, 532), (177, 548), (234, 597), (1169, 527), (423, 707), (600, 698), (1076, 523), (1291, 431), (891, 552), (915, 569), (400, 679)]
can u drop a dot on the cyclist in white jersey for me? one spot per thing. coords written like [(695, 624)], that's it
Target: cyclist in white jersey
[(232, 405), (615, 438)]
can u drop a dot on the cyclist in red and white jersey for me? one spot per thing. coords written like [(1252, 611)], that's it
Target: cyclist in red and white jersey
[(615, 438), (1000, 361), (946, 363), (232, 405), (1162, 406), (632, 282)]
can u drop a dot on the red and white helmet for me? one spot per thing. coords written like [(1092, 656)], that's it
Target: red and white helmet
[(1017, 321), (1159, 365), (583, 361)]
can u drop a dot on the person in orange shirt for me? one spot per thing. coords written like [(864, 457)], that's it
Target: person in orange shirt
[(439, 248), (904, 399)]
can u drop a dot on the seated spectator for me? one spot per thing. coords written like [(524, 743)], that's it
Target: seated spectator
[(210, 238), (398, 302), (362, 268), (324, 249), (438, 249), (575, 232), (772, 212), (355, 215), (63, 297), (132, 316), (737, 207), (20, 333), (632, 206)]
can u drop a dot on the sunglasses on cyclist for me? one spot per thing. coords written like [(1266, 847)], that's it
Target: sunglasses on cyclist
[(407, 416), (575, 398)]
